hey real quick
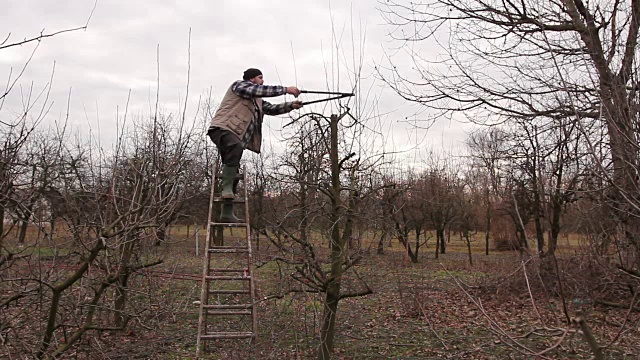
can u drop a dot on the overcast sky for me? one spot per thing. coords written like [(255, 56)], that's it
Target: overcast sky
[(290, 41)]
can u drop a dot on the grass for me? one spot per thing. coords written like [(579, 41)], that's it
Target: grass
[(416, 311)]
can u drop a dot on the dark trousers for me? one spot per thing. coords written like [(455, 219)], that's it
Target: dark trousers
[(229, 146)]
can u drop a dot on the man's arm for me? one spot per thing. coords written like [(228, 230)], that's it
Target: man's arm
[(248, 90), (279, 109), (276, 109)]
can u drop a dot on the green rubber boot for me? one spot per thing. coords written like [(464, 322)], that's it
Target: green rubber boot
[(228, 176), (227, 215)]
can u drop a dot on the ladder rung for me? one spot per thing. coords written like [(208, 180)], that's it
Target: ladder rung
[(230, 249), (238, 176), (230, 270), (231, 292), (229, 224), (226, 247), (227, 277), (230, 307), (218, 199), (227, 335), (229, 312)]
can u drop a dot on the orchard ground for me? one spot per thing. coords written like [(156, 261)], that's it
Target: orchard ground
[(441, 308)]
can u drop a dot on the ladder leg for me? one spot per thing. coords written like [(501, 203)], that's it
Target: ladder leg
[(206, 265), (252, 290)]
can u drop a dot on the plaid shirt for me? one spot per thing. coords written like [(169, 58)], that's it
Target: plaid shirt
[(249, 90)]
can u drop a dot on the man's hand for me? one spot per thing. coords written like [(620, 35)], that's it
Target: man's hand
[(297, 104), (293, 91)]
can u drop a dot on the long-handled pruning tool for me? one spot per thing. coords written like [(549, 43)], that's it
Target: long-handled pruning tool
[(339, 95)]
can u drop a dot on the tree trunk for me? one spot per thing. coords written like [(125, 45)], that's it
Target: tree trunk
[(25, 224), (121, 318), (57, 295), (619, 117), (332, 295), (556, 208), (487, 234), (403, 238), (414, 258), (22, 234), (537, 212), (88, 320), (1, 230), (488, 222), (440, 234), (120, 302), (555, 225), (386, 214), (51, 323), (304, 223), (380, 250), (468, 241), (161, 234), (539, 234), (328, 329)]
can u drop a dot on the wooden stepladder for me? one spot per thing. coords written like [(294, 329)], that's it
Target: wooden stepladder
[(227, 298)]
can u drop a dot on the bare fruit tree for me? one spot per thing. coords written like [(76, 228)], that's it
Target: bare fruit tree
[(532, 60), (570, 66)]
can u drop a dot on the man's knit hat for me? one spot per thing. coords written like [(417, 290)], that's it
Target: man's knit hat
[(251, 73)]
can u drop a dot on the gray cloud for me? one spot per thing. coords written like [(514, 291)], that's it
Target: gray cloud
[(117, 54)]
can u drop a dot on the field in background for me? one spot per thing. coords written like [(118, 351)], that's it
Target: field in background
[(185, 234)]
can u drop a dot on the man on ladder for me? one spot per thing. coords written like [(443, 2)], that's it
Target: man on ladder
[(237, 125)]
